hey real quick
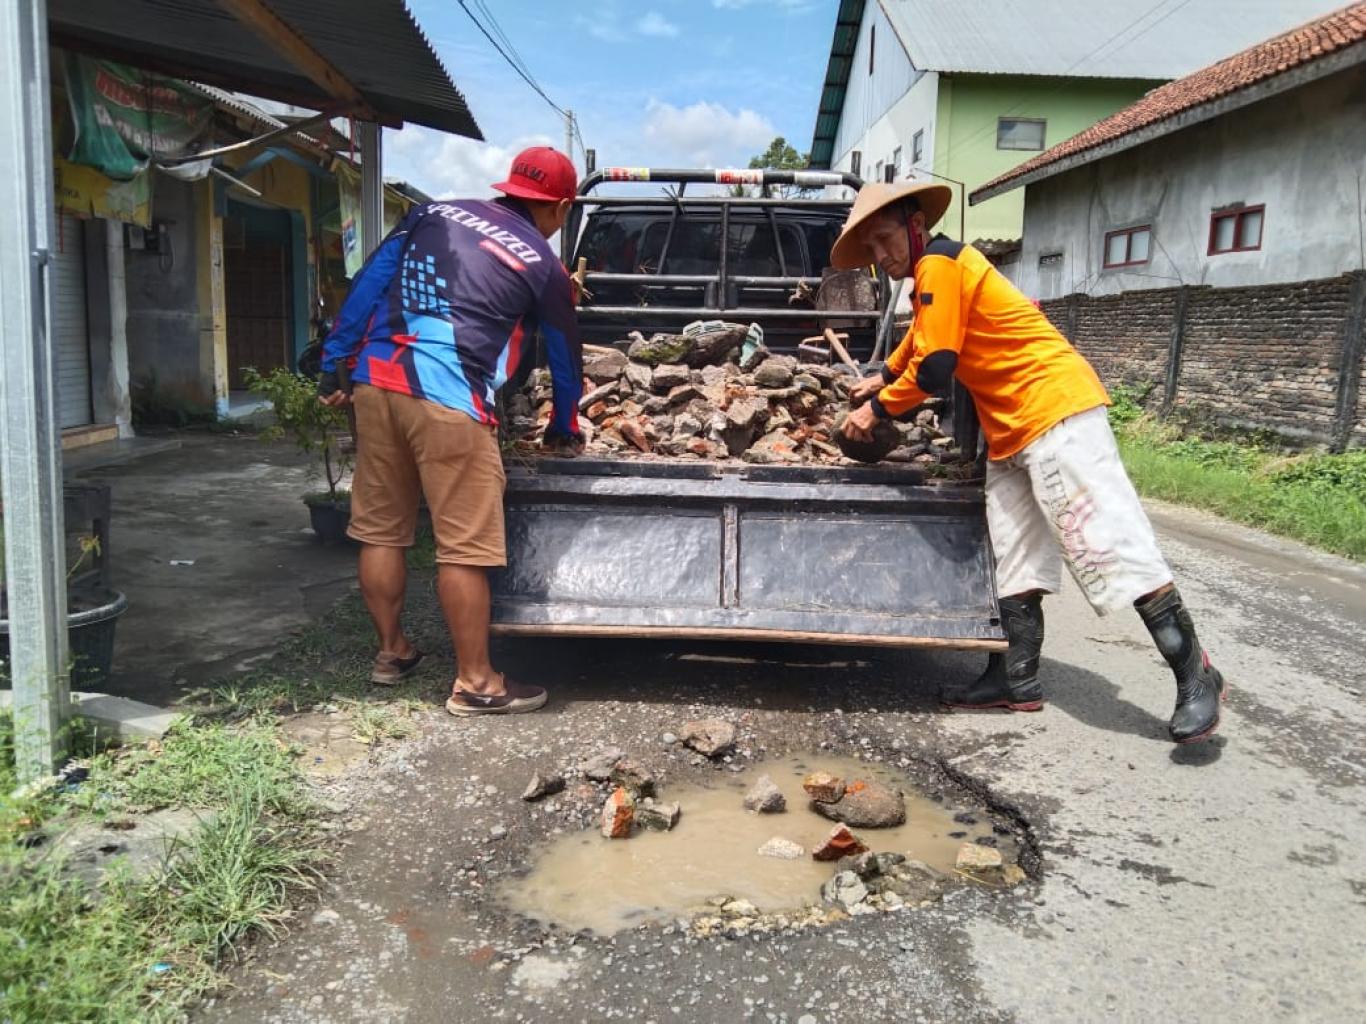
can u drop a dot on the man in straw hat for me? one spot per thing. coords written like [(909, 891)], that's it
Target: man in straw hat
[(1055, 484)]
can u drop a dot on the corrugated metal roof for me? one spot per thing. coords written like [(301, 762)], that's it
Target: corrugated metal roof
[(1344, 30), (375, 44), (847, 21), (1088, 38)]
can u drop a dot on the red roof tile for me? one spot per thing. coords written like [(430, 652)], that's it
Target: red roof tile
[(1293, 49)]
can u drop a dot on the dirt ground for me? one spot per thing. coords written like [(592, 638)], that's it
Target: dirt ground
[(1224, 881)]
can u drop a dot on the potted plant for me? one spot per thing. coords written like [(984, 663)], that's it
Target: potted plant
[(92, 612), (317, 430)]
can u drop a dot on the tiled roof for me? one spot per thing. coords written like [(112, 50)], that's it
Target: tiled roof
[(1294, 49)]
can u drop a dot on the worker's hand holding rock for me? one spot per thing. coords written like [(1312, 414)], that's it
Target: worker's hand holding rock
[(859, 424), (865, 389)]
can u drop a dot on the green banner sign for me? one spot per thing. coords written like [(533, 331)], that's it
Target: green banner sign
[(124, 117)]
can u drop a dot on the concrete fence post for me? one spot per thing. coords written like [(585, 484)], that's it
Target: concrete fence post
[(1174, 346), (1349, 370), (1073, 313)]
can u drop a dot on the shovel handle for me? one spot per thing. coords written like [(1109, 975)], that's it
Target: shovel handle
[(841, 351)]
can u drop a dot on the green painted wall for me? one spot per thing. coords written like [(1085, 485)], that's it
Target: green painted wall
[(965, 134)]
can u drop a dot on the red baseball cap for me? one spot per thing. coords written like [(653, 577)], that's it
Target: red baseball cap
[(541, 173)]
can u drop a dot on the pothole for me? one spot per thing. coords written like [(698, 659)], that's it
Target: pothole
[(709, 871)]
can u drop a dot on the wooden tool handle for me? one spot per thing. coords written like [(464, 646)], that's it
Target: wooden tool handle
[(841, 351)]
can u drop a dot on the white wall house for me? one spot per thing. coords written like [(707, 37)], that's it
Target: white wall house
[(1252, 171), (926, 88)]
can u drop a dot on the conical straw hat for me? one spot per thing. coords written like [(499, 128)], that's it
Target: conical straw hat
[(849, 250)]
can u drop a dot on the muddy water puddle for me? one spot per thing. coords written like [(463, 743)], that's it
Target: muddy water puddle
[(583, 881)]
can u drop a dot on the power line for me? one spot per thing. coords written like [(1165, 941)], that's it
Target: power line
[(525, 75)]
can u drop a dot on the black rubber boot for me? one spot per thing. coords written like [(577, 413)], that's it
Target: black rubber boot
[(1011, 679), (1199, 686)]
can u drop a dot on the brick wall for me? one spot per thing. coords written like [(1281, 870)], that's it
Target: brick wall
[(1267, 357)]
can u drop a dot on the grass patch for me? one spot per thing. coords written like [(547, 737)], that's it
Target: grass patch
[(1315, 497), (145, 949), (140, 950)]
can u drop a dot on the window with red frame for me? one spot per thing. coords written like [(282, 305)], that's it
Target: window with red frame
[(1236, 230), (1129, 247)]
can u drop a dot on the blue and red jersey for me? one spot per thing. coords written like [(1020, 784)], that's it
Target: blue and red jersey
[(447, 307)]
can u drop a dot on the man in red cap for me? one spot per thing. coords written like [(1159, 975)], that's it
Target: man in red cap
[(435, 323)]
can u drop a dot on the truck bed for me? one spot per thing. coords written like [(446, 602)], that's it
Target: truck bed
[(684, 549)]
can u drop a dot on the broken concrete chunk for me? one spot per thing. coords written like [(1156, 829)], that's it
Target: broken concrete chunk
[(823, 787), (866, 804), (660, 348), (635, 778), (774, 447), (686, 425), (683, 393), (774, 372), (865, 865), (711, 737), (976, 859), (599, 766), (543, 785), (715, 346), (638, 376), (846, 889), (632, 431), (782, 849), (839, 843), (669, 376), (765, 797), (604, 366), (598, 394), (617, 814), (658, 817)]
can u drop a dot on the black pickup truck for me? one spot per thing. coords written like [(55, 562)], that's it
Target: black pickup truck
[(657, 261), (876, 555)]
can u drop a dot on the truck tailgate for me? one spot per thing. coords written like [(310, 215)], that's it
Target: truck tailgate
[(719, 551)]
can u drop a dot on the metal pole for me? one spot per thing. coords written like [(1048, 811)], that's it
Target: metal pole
[(30, 450), (371, 188), (569, 135)]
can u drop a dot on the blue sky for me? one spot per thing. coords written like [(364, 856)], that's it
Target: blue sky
[(665, 83)]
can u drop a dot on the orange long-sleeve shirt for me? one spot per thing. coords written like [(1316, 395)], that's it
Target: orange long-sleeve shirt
[(1023, 375)]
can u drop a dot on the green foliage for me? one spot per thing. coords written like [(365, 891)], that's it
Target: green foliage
[(1321, 472), (1127, 403), (138, 950), (780, 156), (313, 427), (1318, 498)]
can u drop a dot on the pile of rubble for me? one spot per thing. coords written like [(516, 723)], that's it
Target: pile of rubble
[(711, 395)]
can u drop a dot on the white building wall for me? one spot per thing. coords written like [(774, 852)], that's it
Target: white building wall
[(1302, 154), (867, 98)]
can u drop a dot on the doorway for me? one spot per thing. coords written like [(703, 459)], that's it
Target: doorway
[(258, 281)]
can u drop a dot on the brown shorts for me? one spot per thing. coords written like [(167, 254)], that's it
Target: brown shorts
[(409, 446)]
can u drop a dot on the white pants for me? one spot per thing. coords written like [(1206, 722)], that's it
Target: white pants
[(1067, 496)]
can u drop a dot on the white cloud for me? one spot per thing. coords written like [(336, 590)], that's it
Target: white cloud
[(792, 6), (601, 28), (655, 24), (703, 134), (448, 166)]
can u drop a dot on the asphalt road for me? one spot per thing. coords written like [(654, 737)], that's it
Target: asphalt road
[(1219, 882)]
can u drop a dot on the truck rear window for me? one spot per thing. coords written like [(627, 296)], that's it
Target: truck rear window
[(633, 243)]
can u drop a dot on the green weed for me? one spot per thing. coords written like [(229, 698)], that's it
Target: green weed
[(1318, 498), (139, 950)]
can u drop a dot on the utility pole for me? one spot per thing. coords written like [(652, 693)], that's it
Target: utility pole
[(569, 135), (30, 448)]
